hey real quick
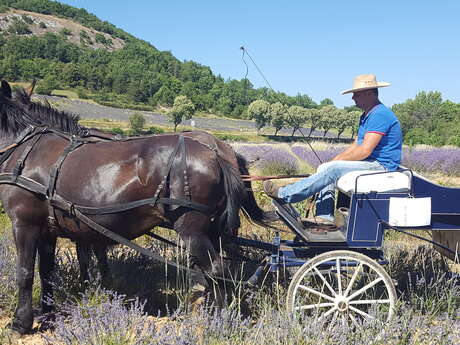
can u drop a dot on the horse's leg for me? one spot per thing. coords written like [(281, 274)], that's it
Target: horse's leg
[(46, 252), (83, 257), (26, 237), (103, 265), (193, 228)]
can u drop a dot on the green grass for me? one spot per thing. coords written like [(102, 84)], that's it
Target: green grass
[(65, 93)]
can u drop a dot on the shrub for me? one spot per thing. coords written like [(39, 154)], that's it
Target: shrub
[(231, 137), (84, 37), (136, 122), (27, 19), (117, 130), (65, 32), (42, 25), (81, 92), (155, 130), (18, 27)]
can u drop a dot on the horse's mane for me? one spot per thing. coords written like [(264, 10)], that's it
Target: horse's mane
[(12, 118), (42, 113)]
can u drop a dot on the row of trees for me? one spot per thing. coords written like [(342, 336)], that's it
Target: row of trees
[(325, 118)]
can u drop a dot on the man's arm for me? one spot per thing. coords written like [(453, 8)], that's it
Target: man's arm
[(359, 152)]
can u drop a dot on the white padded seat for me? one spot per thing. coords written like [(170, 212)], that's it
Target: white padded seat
[(377, 182)]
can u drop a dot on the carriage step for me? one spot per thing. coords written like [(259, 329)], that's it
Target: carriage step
[(308, 234)]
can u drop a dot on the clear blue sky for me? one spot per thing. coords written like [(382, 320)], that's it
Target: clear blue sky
[(312, 47)]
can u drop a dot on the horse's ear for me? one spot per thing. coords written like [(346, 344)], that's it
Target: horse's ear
[(5, 89), (30, 89)]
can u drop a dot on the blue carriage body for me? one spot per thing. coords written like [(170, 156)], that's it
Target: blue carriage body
[(368, 217)]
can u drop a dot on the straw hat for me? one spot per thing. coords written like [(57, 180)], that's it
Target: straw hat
[(365, 82)]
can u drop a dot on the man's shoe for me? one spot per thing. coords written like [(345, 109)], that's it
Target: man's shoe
[(271, 189)]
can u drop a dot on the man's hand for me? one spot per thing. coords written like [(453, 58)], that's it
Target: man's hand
[(359, 152)]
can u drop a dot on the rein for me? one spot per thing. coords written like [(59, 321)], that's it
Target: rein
[(270, 177)]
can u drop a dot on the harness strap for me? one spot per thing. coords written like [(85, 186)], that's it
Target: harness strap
[(150, 201), (180, 142), (57, 166), (20, 162)]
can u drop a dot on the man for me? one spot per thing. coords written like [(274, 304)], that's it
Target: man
[(377, 147)]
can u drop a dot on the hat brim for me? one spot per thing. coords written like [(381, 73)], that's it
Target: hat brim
[(379, 84)]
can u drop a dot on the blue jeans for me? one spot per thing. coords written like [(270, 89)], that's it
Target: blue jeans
[(323, 182)]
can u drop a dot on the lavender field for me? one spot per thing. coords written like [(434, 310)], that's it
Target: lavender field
[(300, 158), (145, 304)]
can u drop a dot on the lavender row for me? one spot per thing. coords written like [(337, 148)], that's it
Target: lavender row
[(424, 159)]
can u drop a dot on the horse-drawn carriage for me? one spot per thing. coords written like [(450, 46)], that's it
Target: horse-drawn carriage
[(60, 179)]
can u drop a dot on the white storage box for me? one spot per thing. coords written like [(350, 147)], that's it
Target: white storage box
[(410, 212)]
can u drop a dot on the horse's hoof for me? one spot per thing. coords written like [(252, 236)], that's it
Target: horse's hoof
[(46, 322), (17, 329)]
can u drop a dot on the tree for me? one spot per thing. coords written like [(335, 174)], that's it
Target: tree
[(328, 118), (342, 121), (325, 102), (136, 122), (353, 121), (425, 105), (297, 117), (47, 85), (314, 118), (277, 113), (259, 112), (182, 109)]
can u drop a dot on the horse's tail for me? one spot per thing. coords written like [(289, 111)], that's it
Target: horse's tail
[(249, 203), (235, 191)]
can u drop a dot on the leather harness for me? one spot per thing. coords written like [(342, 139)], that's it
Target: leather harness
[(32, 135)]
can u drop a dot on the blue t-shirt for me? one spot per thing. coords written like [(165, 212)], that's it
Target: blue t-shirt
[(383, 121)]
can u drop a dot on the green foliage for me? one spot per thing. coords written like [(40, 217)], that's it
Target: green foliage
[(47, 85), (18, 27), (65, 32), (85, 38), (428, 119), (325, 102), (81, 92), (4, 9), (259, 111), (136, 123), (155, 130), (99, 38), (231, 137), (314, 118), (328, 118), (353, 123), (182, 109), (117, 130), (277, 113), (42, 25), (27, 19), (297, 117)]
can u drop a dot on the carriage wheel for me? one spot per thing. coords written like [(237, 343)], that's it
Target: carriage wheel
[(342, 286)]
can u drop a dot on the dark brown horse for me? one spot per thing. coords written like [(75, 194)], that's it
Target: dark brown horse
[(99, 174)]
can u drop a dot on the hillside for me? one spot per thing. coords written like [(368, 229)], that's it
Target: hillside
[(65, 47), (30, 23)]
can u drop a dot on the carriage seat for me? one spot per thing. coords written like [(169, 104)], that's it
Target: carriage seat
[(393, 181)]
